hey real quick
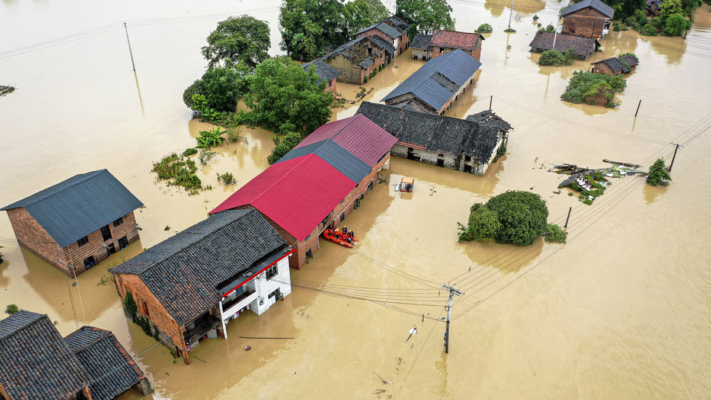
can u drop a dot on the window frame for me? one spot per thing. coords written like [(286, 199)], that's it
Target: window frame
[(83, 241), (272, 272), (118, 222)]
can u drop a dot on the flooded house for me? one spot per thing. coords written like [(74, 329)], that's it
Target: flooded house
[(358, 59), (443, 42), (326, 73), (77, 223), (421, 47), (191, 285), (581, 47), (318, 183), (391, 30), (37, 363), (615, 65), (434, 87), (467, 145), (588, 18)]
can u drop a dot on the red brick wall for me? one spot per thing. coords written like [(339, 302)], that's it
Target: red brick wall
[(32, 236), (76, 254), (332, 89), (378, 61), (603, 69), (584, 23), (376, 32), (171, 332), (476, 53)]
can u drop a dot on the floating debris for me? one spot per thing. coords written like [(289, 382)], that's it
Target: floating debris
[(6, 90)]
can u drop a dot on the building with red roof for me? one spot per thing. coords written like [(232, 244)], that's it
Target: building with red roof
[(318, 183), (446, 41)]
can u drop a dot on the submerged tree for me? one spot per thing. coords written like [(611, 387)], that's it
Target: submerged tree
[(241, 40), (425, 15), (221, 87), (658, 175)]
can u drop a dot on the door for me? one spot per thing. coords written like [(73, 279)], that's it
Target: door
[(106, 232), (111, 249)]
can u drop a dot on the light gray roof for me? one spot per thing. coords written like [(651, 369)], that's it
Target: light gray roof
[(383, 27), (427, 85), (323, 70), (595, 4), (80, 205)]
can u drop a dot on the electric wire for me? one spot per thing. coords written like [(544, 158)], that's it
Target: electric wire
[(423, 345)]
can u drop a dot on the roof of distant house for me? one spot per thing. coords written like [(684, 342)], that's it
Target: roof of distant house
[(35, 361), (435, 133), (382, 27), (489, 118), (111, 369), (455, 40), (436, 82), (184, 271), (78, 206), (398, 22), (579, 45), (323, 70), (296, 194), (631, 60), (384, 44), (595, 4), (421, 42), (414, 104), (614, 64), (359, 135), (338, 157), (653, 2)]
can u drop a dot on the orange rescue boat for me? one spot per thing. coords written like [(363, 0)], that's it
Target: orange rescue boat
[(336, 237)]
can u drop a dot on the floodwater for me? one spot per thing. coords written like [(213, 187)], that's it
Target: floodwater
[(621, 311)]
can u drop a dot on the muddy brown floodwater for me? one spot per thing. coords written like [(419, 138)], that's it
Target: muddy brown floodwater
[(621, 311)]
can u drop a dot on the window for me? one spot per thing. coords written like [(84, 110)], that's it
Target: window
[(370, 185), (330, 83), (343, 216), (106, 232), (89, 262), (110, 249), (118, 222), (441, 50), (123, 243), (272, 272), (83, 241), (467, 158)]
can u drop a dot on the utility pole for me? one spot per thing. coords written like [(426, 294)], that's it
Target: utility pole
[(511, 15), (638, 105), (568, 219), (674, 157), (491, 100), (129, 46), (555, 35), (452, 291)]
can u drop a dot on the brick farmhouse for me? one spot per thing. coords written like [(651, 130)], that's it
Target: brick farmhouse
[(442, 42), (360, 58), (467, 145), (589, 19), (78, 223), (615, 65), (392, 30), (421, 47), (581, 47), (326, 73), (434, 87), (189, 286), (318, 183), (37, 363)]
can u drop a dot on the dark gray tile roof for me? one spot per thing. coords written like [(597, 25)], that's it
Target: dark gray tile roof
[(595, 4), (183, 271), (35, 361), (456, 67), (346, 50), (580, 46), (631, 60), (82, 204), (489, 118), (421, 42), (615, 65), (111, 369), (395, 20), (323, 70), (335, 155), (383, 27), (384, 44), (436, 133)]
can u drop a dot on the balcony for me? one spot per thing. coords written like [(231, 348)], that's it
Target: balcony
[(231, 307)]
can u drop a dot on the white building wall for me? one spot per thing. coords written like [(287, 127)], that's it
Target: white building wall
[(263, 286)]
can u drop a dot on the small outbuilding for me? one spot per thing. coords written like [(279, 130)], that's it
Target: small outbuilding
[(77, 223), (326, 73), (615, 65), (357, 59), (581, 47), (421, 47), (444, 42), (588, 18)]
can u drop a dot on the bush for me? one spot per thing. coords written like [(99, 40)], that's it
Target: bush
[(676, 25), (283, 146), (616, 27), (205, 156), (12, 309), (535, 17), (483, 225), (209, 139), (234, 133), (227, 178), (585, 86), (196, 88), (365, 80), (510, 30), (658, 175), (556, 58), (500, 152), (550, 28), (190, 151), (484, 28), (178, 171), (648, 30), (630, 21), (554, 234)]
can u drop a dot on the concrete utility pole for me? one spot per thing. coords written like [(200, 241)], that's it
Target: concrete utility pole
[(511, 15), (674, 157), (129, 46), (452, 291)]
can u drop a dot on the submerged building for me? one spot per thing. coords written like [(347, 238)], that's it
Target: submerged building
[(588, 18), (356, 60), (581, 47), (615, 65), (391, 30), (78, 223), (468, 145)]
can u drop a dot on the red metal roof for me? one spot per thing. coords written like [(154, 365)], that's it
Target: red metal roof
[(296, 194), (455, 40), (359, 135)]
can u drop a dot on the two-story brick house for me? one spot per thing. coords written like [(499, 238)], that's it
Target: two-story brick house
[(392, 30), (192, 284), (77, 223), (589, 19), (317, 184)]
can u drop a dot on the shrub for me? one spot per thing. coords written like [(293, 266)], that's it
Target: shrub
[(178, 171), (483, 225), (510, 30), (12, 309), (630, 21), (234, 133), (130, 305), (190, 151), (209, 139), (283, 146), (227, 178), (648, 30), (658, 175), (616, 27), (500, 152), (196, 88), (554, 234), (365, 80), (556, 58), (535, 17), (550, 28), (484, 28), (205, 156), (585, 86)]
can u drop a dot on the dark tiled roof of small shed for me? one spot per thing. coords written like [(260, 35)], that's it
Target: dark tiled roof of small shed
[(183, 271), (323, 70), (80, 205), (631, 60), (111, 369), (579, 45), (614, 64), (436, 133), (595, 4), (35, 361), (489, 118), (421, 42), (383, 27), (395, 20)]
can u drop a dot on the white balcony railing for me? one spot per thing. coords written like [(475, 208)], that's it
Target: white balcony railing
[(226, 314)]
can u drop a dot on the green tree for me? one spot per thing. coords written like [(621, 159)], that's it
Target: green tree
[(223, 87), (669, 8), (359, 14), (626, 8), (483, 224), (244, 40), (301, 36), (658, 175), (676, 25), (425, 15), (283, 97), (284, 145), (556, 58), (196, 88), (523, 216)]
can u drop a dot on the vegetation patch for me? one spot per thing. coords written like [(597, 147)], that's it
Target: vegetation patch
[(556, 58), (130, 305), (227, 178), (12, 309), (190, 151), (283, 145), (500, 152), (554, 234), (210, 139), (510, 30), (592, 88), (658, 175), (484, 28), (178, 171)]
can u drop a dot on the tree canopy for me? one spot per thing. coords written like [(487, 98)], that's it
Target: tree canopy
[(425, 15), (284, 98), (283, 146), (244, 40), (658, 175), (220, 86)]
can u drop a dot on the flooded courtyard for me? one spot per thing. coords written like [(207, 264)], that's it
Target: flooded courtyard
[(621, 311)]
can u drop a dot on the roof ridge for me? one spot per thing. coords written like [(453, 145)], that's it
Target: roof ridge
[(104, 335), (353, 118), (91, 175), (469, 33)]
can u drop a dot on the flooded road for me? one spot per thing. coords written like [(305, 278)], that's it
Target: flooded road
[(621, 311)]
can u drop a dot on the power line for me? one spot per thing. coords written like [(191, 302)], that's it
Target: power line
[(423, 346)]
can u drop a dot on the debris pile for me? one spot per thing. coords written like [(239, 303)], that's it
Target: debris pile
[(592, 182)]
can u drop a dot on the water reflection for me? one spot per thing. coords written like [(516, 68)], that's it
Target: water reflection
[(504, 257), (652, 193)]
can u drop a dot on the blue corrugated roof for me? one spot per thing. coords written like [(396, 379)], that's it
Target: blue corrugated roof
[(336, 156), (457, 66), (82, 204)]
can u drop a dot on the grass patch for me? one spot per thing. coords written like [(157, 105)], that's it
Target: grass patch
[(178, 171)]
